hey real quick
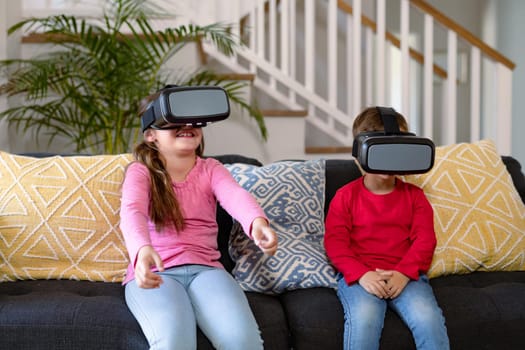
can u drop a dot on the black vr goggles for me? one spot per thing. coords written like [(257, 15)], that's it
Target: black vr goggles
[(392, 151), (177, 106)]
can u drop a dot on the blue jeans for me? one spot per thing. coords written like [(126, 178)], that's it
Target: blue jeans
[(416, 306), (194, 295)]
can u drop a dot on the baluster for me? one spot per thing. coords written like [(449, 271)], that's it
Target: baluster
[(475, 94), (356, 53), (428, 78), (449, 127), (380, 52), (332, 53)]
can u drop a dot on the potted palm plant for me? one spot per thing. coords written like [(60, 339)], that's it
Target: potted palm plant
[(87, 88)]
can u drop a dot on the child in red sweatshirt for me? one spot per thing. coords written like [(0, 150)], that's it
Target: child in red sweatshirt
[(380, 237)]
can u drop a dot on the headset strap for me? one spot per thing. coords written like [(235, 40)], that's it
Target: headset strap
[(388, 116)]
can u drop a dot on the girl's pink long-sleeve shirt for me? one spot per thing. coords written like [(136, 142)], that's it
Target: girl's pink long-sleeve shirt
[(208, 182)]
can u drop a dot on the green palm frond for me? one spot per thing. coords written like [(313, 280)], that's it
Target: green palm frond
[(87, 88)]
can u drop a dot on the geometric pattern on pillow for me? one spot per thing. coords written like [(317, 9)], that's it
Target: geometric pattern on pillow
[(292, 196), (479, 217), (59, 218)]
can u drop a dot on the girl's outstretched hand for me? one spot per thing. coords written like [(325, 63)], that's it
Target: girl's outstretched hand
[(264, 236), (146, 258)]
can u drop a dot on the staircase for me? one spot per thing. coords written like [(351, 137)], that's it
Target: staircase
[(329, 59), (312, 65)]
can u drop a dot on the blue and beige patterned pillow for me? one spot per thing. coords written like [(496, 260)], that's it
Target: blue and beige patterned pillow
[(292, 196)]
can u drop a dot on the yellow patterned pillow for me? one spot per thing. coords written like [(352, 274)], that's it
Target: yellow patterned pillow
[(479, 217), (59, 218)]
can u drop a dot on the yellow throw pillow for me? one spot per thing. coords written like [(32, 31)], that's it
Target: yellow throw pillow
[(59, 218), (479, 217)]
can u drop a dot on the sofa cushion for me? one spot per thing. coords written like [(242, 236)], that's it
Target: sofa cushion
[(59, 217), (292, 195), (272, 320), (76, 315), (338, 172), (483, 310), (315, 317), (479, 216)]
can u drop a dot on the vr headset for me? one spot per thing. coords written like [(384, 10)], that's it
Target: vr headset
[(392, 151), (177, 106)]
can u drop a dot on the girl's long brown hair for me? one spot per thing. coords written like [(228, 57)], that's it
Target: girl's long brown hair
[(164, 208)]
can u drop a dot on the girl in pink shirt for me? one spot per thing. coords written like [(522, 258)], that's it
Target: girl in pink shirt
[(175, 280)]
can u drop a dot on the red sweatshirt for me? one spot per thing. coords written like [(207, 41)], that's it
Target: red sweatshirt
[(394, 231)]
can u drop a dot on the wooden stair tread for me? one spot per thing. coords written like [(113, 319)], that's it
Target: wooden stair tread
[(284, 113), (237, 76), (328, 149)]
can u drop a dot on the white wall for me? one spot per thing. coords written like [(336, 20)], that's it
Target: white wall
[(500, 24), (8, 13), (510, 29), (4, 140)]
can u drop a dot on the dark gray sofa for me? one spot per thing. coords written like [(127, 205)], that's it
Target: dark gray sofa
[(483, 310)]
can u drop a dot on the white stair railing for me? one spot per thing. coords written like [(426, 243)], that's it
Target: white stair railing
[(334, 57)]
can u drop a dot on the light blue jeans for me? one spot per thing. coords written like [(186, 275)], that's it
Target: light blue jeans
[(416, 306), (194, 295)]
